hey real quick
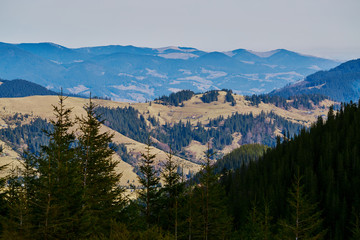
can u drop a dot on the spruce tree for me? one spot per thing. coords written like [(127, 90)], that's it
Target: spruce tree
[(304, 222), (101, 193), (210, 217), (149, 180), (3, 209), (258, 225), (355, 226), (57, 191), (172, 191), (17, 224)]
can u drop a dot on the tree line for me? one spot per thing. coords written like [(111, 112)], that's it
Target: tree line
[(303, 188), (324, 159), (305, 101)]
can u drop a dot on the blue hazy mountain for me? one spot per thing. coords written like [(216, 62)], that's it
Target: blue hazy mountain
[(54, 52), (136, 73), (341, 83)]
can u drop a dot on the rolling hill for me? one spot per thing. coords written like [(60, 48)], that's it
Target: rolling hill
[(22, 88), (341, 83), (194, 116)]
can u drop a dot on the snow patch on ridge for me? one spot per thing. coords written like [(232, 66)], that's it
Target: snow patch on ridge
[(314, 67), (154, 73), (213, 74), (264, 54), (288, 76), (248, 62), (184, 56), (143, 88), (229, 53), (174, 90), (163, 49), (78, 89)]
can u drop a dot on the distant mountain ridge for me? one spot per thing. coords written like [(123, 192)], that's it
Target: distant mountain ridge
[(128, 73), (341, 83)]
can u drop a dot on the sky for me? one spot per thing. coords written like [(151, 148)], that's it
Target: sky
[(325, 28)]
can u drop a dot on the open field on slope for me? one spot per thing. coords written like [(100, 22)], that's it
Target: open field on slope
[(10, 158), (41, 106), (194, 110)]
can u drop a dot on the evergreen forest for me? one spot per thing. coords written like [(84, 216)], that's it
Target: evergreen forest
[(304, 187)]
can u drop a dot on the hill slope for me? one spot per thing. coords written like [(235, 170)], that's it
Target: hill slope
[(341, 83), (326, 156), (190, 126), (22, 88)]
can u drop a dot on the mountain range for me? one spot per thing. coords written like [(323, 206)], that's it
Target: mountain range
[(341, 83), (128, 73)]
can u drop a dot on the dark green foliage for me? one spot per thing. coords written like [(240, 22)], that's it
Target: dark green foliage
[(304, 221), (55, 210), (32, 134), (229, 97), (175, 99), (210, 219), (255, 129), (154, 121), (149, 181), (242, 155), (210, 96), (22, 88), (17, 224), (327, 156), (100, 190), (304, 101), (170, 195), (258, 225), (122, 151), (126, 121), (3, 203), (355, 227)]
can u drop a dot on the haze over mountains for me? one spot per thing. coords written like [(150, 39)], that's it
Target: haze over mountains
[(341, 83), (128, 73)]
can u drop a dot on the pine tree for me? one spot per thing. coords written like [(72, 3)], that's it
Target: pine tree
[(3, 209), (101, 193), (355, 226), (57, 191), (305, 222), (149, 180), (258, 225), (172, 190), (210, 216), (17, 224)]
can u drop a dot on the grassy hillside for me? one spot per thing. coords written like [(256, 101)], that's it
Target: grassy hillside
[(193, 110)]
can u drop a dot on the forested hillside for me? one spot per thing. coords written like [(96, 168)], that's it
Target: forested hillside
[(341, 83), (22, 88), (310, 178), (305, 101), (326, 157), (219, 131), (240, 156), (29, 136)]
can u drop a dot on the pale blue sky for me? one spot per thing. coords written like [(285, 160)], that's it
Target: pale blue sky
[(327, 28)]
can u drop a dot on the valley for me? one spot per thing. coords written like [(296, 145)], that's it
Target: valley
[(193, 111)]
